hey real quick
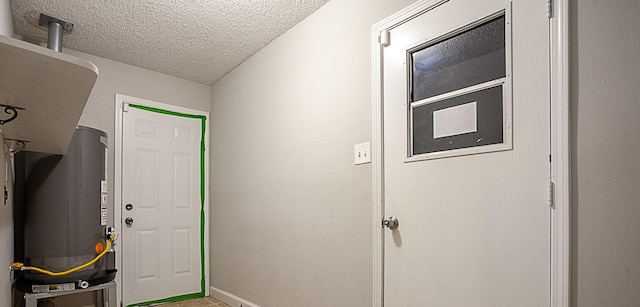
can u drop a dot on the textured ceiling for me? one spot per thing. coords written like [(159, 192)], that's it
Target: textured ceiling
[(198, 40)]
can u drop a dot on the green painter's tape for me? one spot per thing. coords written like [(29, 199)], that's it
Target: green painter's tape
[(202, 189), (161, 111), (202, 217)]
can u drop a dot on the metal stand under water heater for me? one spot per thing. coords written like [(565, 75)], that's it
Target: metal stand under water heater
[(62, 241)]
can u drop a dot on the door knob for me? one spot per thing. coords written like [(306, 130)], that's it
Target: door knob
[(391, 222), (128, 221)]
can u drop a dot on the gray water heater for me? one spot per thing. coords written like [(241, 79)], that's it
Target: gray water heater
[(60, 214)]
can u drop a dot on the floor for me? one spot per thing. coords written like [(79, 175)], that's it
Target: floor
[(198, 302)]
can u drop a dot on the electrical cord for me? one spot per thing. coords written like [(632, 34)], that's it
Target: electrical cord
[(18, 266)]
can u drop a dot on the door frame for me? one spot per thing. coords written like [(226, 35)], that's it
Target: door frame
[(559, 193), (117, 186)]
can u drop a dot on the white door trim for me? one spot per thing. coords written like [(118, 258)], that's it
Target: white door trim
[(561, 153), (560, 150), (117, 187)]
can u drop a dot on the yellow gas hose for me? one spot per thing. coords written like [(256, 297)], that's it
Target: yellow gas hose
[(20, 266)]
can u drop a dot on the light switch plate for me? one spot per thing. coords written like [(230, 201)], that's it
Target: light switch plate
[(362, 153)]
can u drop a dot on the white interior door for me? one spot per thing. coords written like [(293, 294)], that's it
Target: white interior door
[(466, 156), (162, 205)]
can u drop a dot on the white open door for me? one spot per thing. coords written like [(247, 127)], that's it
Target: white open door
[(163, 203), (466, 156)]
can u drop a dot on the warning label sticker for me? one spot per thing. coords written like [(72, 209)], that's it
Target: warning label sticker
[(103, 202)]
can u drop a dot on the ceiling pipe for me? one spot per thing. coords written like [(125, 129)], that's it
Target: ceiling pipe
[(6, 23), (56, 28)]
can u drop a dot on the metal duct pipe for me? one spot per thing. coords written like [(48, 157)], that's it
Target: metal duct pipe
[(56, 28), (6, 23), (54, 38)]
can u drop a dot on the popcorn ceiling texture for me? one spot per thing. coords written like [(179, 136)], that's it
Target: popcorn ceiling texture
[(198, 40)]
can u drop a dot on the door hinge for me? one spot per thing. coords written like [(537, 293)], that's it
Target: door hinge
[(383, 38), (549, 8), (125, 107), (550, 188)]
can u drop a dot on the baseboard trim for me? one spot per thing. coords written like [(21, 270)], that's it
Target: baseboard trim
[(230, 299)]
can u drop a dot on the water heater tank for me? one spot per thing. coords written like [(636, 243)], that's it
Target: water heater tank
[(60, 214)]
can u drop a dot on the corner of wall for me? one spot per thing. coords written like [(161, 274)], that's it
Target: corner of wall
[(6, 234)]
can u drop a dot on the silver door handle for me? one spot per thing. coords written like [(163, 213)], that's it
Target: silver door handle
[(128, 221), (391, 222)]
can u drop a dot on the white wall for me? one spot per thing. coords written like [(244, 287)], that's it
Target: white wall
[(605, 106), (291, 214), (115, 77)]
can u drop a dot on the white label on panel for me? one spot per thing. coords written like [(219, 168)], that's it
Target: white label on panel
[(106, 168), (456, 120), (52, 288)]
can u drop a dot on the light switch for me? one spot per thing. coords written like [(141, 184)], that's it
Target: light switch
[(362, 153)]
